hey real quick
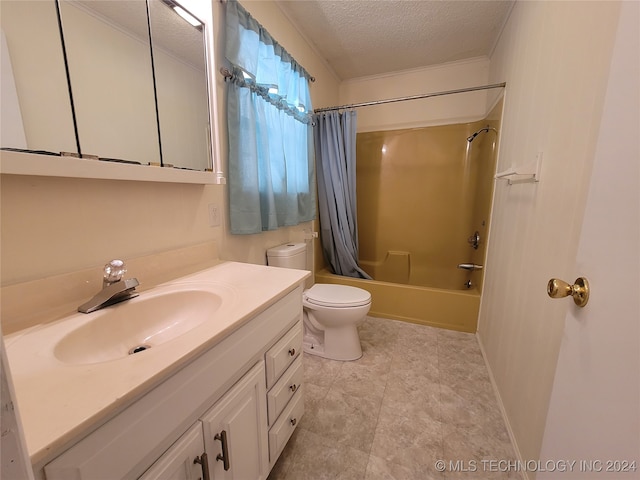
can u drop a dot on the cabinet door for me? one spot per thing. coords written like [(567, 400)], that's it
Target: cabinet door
[(181, 461), (235, 430)]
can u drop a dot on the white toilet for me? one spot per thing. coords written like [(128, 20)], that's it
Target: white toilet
[(331, 312)]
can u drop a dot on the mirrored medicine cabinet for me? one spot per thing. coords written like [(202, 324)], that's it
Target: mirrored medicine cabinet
[(114, 81)]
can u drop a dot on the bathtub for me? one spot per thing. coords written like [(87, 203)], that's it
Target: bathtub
[(436, 307)]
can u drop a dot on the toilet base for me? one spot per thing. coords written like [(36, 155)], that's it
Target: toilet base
[(339, 344)]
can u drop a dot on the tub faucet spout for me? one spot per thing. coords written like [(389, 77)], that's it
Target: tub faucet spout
[(469, 266), (114, 288)]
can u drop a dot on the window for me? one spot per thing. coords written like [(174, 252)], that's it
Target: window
[(271, 160)]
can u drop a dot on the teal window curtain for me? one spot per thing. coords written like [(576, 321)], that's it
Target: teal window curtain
[(271, 152)]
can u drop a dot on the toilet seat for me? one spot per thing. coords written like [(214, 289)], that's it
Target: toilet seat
[(337, 296)]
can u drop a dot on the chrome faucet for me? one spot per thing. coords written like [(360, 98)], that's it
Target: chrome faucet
[(114, 288), (469, 266)]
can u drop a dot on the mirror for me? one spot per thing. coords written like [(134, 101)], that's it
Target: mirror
[(36, 113), (120, 112), (111, 78), (181, 84)]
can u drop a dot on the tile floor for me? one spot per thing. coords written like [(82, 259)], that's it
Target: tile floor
[(417, 395)]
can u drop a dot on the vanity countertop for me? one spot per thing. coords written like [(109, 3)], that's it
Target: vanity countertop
[(60, 402)]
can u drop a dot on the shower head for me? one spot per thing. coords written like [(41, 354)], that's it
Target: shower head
[(472, 137)]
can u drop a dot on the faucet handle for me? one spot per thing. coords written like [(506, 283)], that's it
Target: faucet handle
[(113, 272)]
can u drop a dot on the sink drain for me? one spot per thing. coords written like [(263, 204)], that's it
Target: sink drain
[(139, 348)]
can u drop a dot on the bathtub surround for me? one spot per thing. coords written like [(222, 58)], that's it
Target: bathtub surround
[(437, 307), (421, 193)]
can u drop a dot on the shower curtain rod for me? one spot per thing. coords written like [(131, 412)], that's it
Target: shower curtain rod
[(412, 97)]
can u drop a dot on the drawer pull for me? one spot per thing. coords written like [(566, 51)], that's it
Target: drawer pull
[(293, 387), (204, 462), (292, 352), (224, 456), (293, 422)]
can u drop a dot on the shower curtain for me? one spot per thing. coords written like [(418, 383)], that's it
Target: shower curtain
[(335, 144)]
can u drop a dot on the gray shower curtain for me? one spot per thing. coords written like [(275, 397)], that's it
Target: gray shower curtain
[(335, 145)]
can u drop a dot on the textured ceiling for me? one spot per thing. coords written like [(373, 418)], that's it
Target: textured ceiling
[(367, 37)]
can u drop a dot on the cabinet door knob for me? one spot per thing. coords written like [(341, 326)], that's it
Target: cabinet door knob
[(203, 460), (293, 387), (292, 351), (293, 421)]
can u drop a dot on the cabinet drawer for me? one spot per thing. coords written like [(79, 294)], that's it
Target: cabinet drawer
[(283, 353), (284, 390), (281, 431)]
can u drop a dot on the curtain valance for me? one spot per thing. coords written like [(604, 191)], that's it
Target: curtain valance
[(259, 60)]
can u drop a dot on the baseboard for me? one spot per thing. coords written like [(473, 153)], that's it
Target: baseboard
[(514, 443)]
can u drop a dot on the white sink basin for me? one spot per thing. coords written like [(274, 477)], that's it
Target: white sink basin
[(137, 325)]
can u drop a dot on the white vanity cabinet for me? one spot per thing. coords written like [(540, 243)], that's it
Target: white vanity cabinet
[(214, 405), (228, 442)]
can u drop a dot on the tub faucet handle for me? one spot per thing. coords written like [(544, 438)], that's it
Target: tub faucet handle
[(474, 239)]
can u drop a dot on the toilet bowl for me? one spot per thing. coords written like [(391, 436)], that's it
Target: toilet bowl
[(331, 317), (331, 313)]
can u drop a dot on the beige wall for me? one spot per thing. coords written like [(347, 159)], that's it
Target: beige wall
[(443, 110), (57, 225), (554, 57)]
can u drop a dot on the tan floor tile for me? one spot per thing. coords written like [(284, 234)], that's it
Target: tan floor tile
[(345, 419), (317, 458), (320, 371), (379, 469), (413, 442), (362, 380)]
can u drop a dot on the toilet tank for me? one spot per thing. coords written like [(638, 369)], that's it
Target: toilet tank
[(289, 255)]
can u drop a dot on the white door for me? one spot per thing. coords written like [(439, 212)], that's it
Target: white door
[(594, 411)]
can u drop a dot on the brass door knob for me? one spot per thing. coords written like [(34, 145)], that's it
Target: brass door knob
[(579, 290)]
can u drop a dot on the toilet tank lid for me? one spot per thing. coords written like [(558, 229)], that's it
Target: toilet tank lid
[(286, 250), (337, 295)]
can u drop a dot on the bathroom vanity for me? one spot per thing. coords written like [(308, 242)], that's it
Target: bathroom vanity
[(218, 400)]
